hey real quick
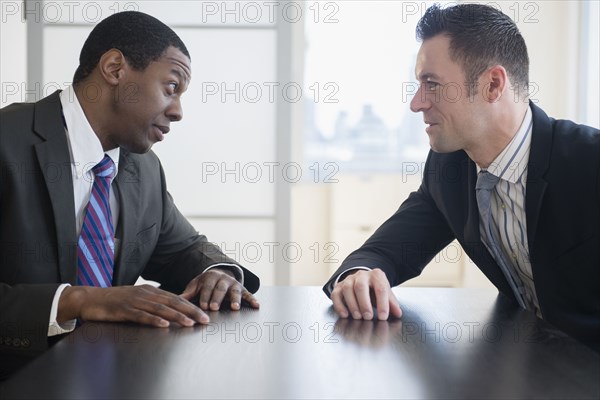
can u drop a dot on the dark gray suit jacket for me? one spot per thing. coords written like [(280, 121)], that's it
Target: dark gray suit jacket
[(38, 243), (563, 224)]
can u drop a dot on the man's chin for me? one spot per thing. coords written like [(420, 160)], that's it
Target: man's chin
[(441, 148), (137, 148)]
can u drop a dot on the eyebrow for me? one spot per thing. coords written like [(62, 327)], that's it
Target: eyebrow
[(428, 75), (181, 76), (178, 68)]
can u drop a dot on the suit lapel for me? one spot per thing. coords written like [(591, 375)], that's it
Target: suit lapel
[(539, 160), (55, 163), (127, 184), (472, 234)]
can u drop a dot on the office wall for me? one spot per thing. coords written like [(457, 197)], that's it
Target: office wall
[(13, 54)]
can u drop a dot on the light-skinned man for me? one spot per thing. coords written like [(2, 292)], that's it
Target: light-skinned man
[(520, 191)]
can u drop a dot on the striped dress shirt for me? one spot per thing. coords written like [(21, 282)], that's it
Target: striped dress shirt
[(508, 209)]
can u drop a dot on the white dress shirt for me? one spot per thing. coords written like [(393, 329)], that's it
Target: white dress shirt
[(86, 151)]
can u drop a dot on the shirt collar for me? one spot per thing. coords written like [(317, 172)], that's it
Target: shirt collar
[(84, 145), (512, 161)]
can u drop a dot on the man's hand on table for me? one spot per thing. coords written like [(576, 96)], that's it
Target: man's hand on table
[(148, 305), (357, 294), (216, 286), (142, 304)]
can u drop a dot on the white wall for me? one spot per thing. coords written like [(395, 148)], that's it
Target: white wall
[(550, 29), (13, 57)]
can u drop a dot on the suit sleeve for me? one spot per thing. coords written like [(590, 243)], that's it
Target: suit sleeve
[(24, 318), (404, 244), (181, 253)]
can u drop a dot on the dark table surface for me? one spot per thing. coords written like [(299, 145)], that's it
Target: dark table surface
[(450, 343)]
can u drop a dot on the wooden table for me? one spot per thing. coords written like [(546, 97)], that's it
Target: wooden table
[(450, 343)]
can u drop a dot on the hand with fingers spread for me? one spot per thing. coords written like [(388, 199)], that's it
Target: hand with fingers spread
[(359, 292), (215, 286), (142, 304)]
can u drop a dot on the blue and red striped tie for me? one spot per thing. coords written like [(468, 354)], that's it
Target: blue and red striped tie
[(96, 246)]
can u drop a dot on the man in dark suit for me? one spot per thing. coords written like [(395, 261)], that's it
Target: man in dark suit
[(519, 191), (126, 92)]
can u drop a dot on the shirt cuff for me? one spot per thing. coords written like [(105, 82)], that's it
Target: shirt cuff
[(54, 328), (236, 269), (344, 274)]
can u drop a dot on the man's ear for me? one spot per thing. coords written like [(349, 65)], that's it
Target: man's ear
[(497, 81), (112, 66)]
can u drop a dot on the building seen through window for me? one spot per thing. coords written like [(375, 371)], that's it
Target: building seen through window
[(359, 72)]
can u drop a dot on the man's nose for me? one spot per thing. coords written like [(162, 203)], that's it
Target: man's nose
[(175, 111), (420, 102)]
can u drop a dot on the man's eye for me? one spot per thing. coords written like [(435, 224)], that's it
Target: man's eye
[(173, 86), (429, 85)]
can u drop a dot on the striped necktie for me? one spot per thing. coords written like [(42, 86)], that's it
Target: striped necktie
[(483, 190), (96, 247)]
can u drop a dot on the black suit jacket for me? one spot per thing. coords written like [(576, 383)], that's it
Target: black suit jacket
[(563, 223), (38, 243)]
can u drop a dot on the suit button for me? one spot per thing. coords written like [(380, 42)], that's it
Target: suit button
[(25, 343), (16, 342)]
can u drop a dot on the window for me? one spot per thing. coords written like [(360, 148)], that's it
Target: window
[(359, 70)]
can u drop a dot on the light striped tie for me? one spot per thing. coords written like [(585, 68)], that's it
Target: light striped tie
[(96, 246), (483, 190)]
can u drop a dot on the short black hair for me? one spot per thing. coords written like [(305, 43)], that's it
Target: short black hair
[(480, 36), (140, 37)]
